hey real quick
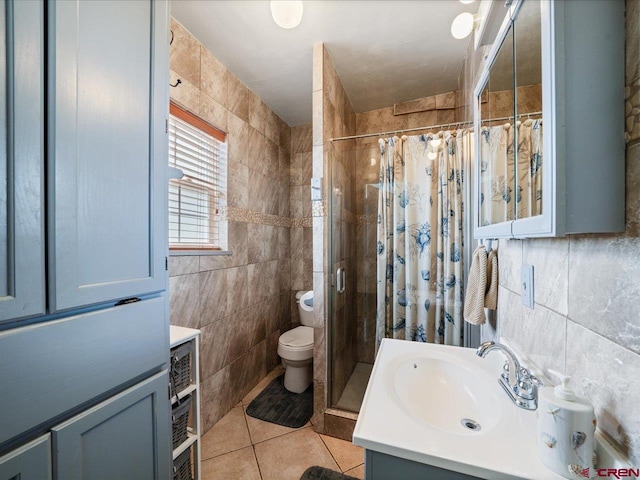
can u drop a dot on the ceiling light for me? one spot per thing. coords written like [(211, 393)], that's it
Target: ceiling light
[(287, 14), (435, 143), (463, 25), (466, 2)]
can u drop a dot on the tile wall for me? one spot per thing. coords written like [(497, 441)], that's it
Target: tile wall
[(585, 321), (301, 217), (242, 301)]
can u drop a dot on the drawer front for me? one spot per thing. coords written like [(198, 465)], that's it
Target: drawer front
[(51, 368)]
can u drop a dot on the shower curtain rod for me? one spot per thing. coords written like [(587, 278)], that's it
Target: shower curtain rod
[(430, 127)]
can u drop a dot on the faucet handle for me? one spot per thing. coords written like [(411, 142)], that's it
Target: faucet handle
[(528, 384), (536, 381)]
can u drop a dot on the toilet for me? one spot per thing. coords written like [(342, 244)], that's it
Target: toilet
[(295, 347)]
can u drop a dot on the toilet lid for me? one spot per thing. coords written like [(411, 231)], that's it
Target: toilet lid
[(298, 337)]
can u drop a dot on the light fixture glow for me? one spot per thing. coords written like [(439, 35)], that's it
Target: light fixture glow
[(462, 25), (435, 143), (287, 14), (432, 155), (466, 2)]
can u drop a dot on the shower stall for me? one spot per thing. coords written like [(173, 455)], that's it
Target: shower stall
[(355, 204)]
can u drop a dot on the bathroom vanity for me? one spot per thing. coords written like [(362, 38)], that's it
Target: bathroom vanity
[(436, 411), (434, 408)]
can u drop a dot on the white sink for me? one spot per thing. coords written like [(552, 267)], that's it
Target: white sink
[(418, 398), (447, 392)]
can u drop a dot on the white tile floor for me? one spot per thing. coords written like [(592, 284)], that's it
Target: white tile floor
[(240, 447)]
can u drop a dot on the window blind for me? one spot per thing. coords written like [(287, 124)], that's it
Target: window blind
[(195, 199)]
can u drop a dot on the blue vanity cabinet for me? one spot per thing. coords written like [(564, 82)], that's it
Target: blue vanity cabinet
[(121, 438), (380, 466), (107, 150), (22, 277), (30, 462)]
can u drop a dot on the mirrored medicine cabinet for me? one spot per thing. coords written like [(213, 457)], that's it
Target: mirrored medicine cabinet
[(549, 122)]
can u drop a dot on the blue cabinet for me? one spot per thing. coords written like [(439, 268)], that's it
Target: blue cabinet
[(30, 462), (22, 285), (124, 437), (107, 150), (83, 197)]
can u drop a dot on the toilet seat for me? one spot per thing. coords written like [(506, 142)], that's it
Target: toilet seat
[(296, 344)]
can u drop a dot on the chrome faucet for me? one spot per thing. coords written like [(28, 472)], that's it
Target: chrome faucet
[(519, 383)]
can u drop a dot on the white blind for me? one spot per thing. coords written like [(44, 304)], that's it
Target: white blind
[(195, 200)]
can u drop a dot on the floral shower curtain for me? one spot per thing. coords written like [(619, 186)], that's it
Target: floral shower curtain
[(420, 218)]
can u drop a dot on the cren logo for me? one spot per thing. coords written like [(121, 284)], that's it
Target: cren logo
[(619, 472)]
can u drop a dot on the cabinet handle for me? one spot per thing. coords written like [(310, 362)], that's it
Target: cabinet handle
[(127, 301)]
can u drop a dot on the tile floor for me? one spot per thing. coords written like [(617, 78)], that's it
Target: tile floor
[(240, 447)]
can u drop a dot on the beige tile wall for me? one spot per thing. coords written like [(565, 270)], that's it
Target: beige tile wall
[(242, 301), (301, 214), (585, 321)]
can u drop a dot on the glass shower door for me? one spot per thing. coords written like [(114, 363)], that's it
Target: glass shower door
[(353, 212)]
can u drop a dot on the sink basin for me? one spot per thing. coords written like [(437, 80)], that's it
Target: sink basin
[(417, 398), (421, 400), (448, 393)]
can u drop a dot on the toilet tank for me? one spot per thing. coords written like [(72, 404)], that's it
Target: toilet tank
[(305, 307)]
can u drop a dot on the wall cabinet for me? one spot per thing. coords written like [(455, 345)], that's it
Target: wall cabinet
[(550, 150), (107, 131), (83, 197), (106, 67)]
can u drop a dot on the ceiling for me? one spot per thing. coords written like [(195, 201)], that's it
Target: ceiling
[(385, 52)]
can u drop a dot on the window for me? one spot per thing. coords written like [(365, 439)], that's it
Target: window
[(196, 199)]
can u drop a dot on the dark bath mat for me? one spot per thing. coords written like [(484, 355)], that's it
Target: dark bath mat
[(276, 404), (321, 473)]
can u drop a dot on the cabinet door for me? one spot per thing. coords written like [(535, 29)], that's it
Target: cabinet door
[(21, 160), (29, 462), (126, 436), (108, 84)]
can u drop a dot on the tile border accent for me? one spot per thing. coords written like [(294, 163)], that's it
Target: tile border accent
[(236, 214)]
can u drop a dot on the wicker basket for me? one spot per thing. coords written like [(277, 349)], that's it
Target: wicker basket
[(182, 466), (180, 367), (180, 420)]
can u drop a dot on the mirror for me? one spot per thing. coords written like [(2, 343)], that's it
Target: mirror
[(497, 109), (510, 113), (528, 68)]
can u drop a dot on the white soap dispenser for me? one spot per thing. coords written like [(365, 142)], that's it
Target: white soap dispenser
[(566, 429)]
